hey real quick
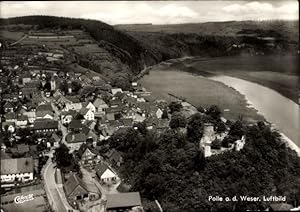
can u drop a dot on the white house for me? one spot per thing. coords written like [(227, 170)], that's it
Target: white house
[(22, 121), (116, 90), (67, 116), (239, 144), (207, 138), (90, 106), (17, 170), (105, 174), (87, 114), (9, 125)]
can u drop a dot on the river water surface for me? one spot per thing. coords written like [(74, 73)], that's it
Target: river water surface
[(277, 109)]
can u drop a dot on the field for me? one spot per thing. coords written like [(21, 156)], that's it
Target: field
[(198, 91), (279, 73), (12, 35)]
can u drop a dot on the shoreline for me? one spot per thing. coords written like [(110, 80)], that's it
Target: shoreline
[(289, 143)]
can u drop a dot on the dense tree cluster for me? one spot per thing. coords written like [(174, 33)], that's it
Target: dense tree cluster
[(65, 160), (171, 169)]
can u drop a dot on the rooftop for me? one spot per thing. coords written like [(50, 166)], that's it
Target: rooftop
[(16, 165), (122, 200)]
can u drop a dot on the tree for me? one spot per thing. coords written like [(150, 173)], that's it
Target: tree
[(221, 127), (214, 111), (177, 120), (76, 86), (62, 157), (200, 109), (195, 127), (237, 129), (175, 107), (141, 127), (216, 144), (165, 114)]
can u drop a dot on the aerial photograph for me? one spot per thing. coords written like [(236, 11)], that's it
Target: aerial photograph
[(149, 106)]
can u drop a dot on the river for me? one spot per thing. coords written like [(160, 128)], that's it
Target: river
[(277, 109), (228, 93)]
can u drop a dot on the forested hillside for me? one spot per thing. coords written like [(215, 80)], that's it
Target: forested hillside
[(138, 46)]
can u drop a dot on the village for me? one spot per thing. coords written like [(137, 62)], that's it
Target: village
[(47, 109)]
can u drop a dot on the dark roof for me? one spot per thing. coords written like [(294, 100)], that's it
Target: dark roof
[(123, 200), (16, 165), (114, 155), (114, 109), (8, 105), (43, 113), (45, 124), (10, 115), (74, 181), (76, 138), (84, 111), (127, 122), (22, 118), (115, 102), (76, 124), (44, 107), (55, 138), (101, 168), (98, 102), (83, 148)]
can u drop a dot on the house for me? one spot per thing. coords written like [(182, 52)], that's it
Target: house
[(55, 140), (207, 138), (115, 103), (87, 114), (114, 157), (22, 121), (45, 126), (105, 174), (123, 202), (87, 154), (90, 106), (9, 126), (8, 107), (239, 144), (10, 117), (31, 115), (113, 113), (73, 106), (76, 138), (76, 126), (67, 116), (116, 90), (44, 111), (100, 105), (77, 190), (16, 170), (26, 78)]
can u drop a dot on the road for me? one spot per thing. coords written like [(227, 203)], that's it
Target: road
[(50, 187)]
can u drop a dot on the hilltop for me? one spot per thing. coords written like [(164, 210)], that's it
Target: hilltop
[(128, 49)]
